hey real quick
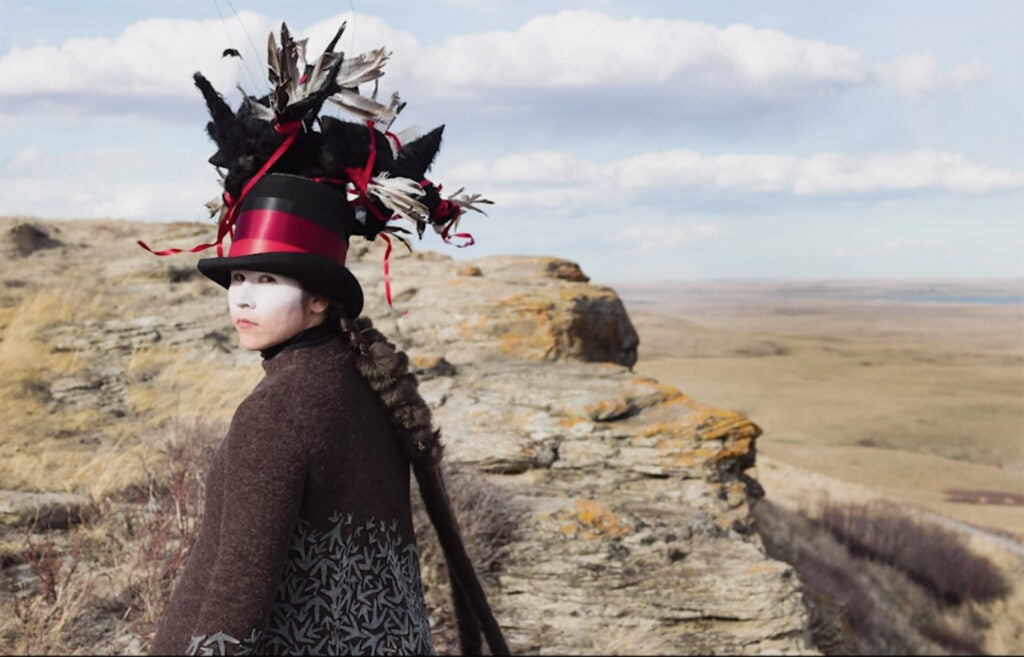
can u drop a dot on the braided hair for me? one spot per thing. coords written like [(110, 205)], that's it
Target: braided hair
[(386, 371)]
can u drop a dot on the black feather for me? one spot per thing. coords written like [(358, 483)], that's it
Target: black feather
[(414, 159)]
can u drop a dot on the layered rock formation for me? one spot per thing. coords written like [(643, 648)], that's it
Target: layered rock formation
[(634, 535)]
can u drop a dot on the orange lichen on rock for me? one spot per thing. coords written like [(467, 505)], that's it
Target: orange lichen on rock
[(470, 329), (607, 409), (589, 519), (570, 421), (532, 330), (598, 517), (734, 449), (669, 394), (704, 424)]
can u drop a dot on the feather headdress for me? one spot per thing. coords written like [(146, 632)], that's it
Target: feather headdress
[(283, 132)]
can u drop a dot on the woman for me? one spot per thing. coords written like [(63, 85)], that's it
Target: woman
[(307, 542)]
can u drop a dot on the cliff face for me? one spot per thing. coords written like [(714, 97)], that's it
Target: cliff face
[(635, 535)]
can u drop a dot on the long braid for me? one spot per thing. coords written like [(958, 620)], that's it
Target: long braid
[(386, 370)]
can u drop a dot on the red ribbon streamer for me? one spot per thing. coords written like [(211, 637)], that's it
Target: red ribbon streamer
[(360, 177), (387, 275)]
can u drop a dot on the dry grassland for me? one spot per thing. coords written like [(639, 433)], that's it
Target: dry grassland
[(865, 393), (909, 400)]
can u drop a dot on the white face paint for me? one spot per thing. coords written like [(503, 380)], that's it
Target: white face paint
[(267, 309)]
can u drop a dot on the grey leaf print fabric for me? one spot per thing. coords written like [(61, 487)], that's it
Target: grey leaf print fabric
[(349, 589), (220, 644)]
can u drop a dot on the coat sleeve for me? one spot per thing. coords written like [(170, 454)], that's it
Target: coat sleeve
[(265, 467)]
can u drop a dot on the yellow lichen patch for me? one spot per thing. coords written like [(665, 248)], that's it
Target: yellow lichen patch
[(599, 519), (570, 421), (666, 392), (675, 454), (588, 519), (713, 424), (734, 449), (606, 408), (470, 329), (530, 328), (679, 429), (426, 362)]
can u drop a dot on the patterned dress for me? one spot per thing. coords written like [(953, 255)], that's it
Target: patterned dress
[(307, 543)]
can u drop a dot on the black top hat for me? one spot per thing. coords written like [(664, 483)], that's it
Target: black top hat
[(295, 227)]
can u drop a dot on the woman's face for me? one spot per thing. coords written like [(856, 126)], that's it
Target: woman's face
[(267, 309)]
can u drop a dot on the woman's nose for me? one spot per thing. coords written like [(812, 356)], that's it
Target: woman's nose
[(240, 295)]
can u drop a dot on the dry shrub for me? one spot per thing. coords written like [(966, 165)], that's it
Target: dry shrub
[(102, 587), (50, 611), (488, 516), (876, 602), (931, 555), (161, 536)]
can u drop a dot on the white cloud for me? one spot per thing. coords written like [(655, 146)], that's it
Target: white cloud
[(71, 198), (665, 237), (154, 59), (562, 55), (837, 174), (917, 75), (552, 179), (28, 160), (582, 49)]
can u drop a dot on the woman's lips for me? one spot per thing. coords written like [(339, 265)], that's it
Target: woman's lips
[(244, 323)]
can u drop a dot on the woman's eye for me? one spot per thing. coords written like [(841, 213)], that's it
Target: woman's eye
[(265, 278), (237, 278)]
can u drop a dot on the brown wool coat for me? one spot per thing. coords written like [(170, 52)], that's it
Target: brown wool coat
[(307, 542)]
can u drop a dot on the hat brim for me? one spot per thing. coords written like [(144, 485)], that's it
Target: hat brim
[(317, 274)]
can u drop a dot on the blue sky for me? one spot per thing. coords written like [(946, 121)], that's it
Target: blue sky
[(643, 140)]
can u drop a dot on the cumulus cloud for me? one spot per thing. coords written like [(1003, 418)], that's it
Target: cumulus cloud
[(29, 160), (152, 61), (73, 198), (665, 238), (919, 74), (551, 179), (554, 57), (658, 58)]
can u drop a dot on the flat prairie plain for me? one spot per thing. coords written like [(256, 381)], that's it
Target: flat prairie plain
[(911, 391)]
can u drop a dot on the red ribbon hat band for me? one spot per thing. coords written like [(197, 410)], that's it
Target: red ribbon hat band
[(265, 230)]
